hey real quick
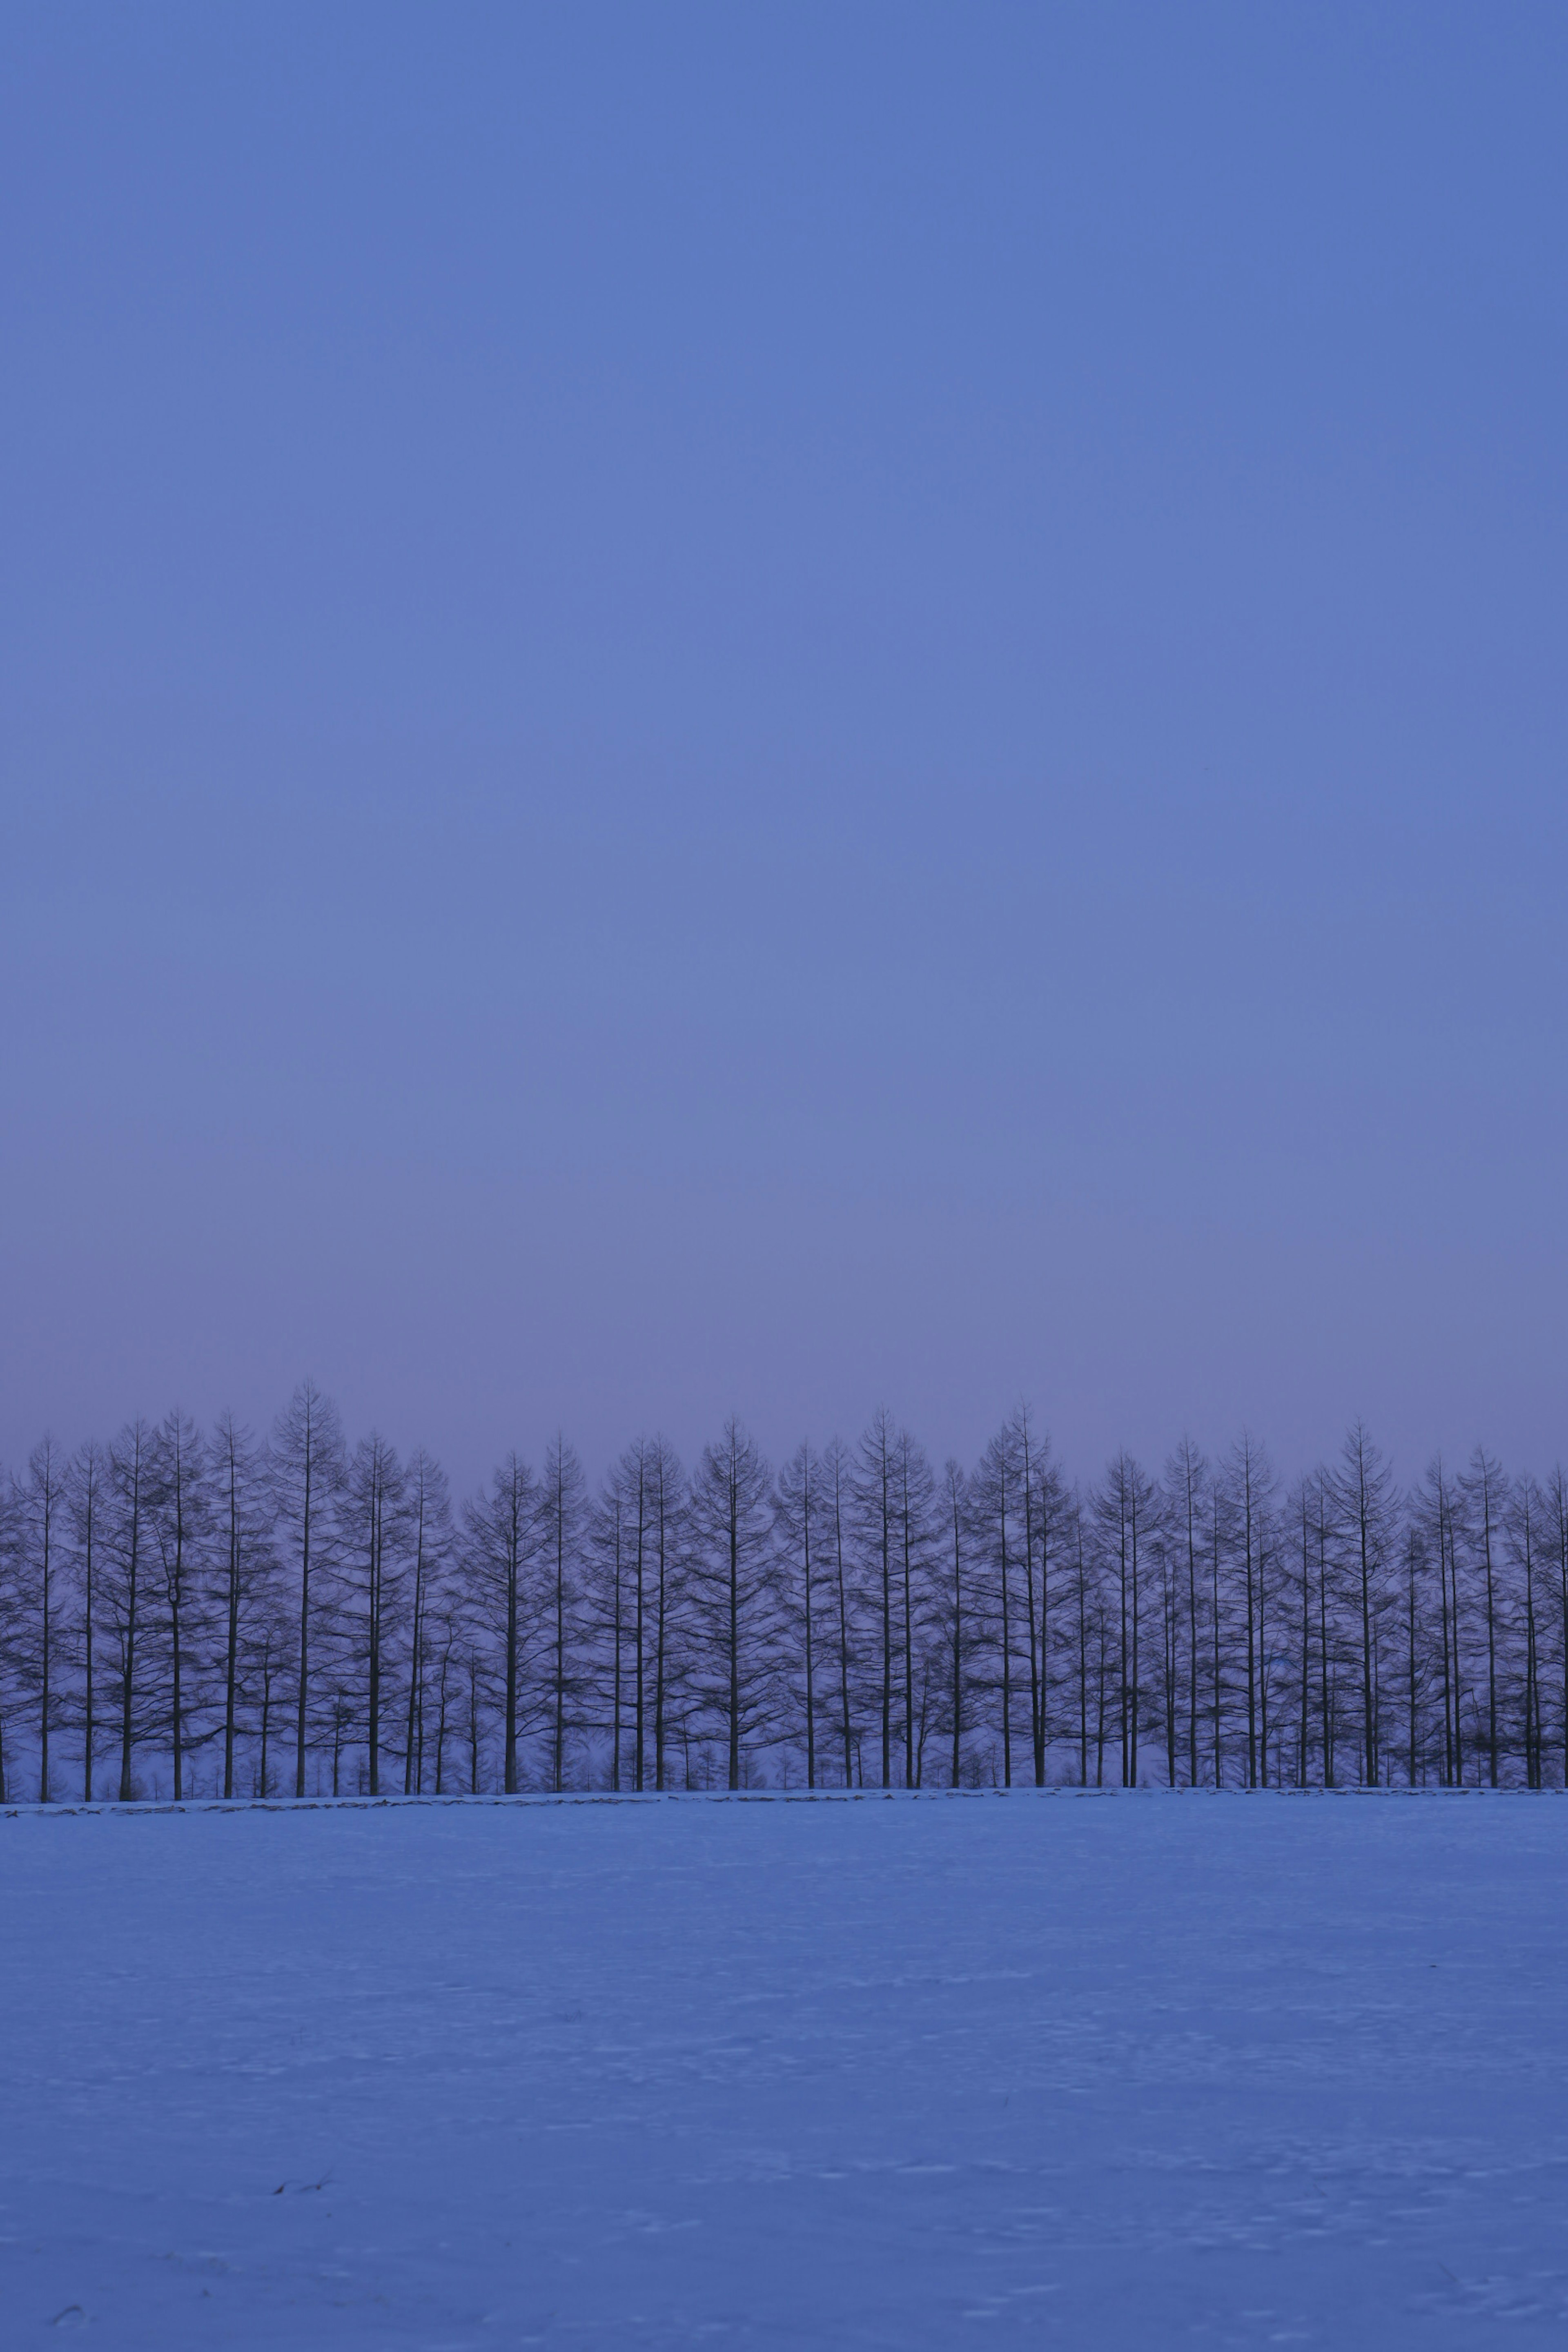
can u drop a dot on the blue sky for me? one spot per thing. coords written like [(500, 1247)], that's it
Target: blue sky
[(782, 710)]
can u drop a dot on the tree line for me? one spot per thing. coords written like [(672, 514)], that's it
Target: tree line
[(189, 1612)]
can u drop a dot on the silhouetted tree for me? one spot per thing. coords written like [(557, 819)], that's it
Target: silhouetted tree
[(39, 1518), (735, 1587), (307, 1467)]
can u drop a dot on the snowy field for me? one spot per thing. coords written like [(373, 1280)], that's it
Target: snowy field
[(1098, 2072)]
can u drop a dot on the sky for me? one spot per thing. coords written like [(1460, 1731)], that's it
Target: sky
[(775, 711)]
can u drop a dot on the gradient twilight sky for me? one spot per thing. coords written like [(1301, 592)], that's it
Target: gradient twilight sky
[(787, 709)]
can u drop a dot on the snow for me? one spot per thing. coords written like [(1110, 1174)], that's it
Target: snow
[(1102, 2071)]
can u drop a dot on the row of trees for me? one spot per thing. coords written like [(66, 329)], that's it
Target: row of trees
[(187, 1611)]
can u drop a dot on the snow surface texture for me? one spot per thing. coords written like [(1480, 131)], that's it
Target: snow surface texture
[(1110, 2072)]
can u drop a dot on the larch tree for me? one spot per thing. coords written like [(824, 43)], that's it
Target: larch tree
[(1557, 1538), (502, 1536), (40, 1527), (955, 1616), (427, 1534), (1363, 1492), (1249, 1482), (562, 1514), (670, 1520), (734, 1585), (876, 1550), (1046, 1517), (181, 1519), (1126, 1508), (837, 1483), (307, 1466), (1484, 1496), (1186, 1486), (1524, 1523), (803, 1551), (610, 1554), (87, 1495), (244, 1568), (997, 1513), (1432, 1513), (914, 1502), (124, 1576)]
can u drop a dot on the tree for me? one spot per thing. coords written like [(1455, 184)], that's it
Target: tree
[(1085, 1600), (266, 1660), (996, 1508), (446, 1624), (734, 1587), (873, 1492), (609, 1588), (667, 1499), (12, 1638), (41, 1518), (372, 1567), (1126, 1508), (1433, 1512), (428, 1528), (638, 1517), (1557, 1526), (1524, 1523), (1249, 1482), (87, 1495), (803, 1538), (1044, 1515), (1363, 1492), (1186, 1486), (838, 1481), (307, 1467), (246, 1568), (123, 1579), (502, 1532), (563, 1510), (954, 1613), (1484, 1494), (180, 1515), (914, 1495)]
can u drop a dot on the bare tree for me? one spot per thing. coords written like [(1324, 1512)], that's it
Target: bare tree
[(667, 1495), (1126, 1510), (838, 1481), (563, 1508), (1249, 1483), (997, 1512), (444, 1633), (123, 1581), (1045, 1516), (245, 1564), (40, 1517), (87, 1495), (12, 1634), (373, 1566), (955, 1617), (914, 1499), (873, 1492), (502, 1532), (803, 1538), (427, 1534), (181, 1513), (307, 1470), (1525, 1521), (735, 1591), (1484, 1495), (609, 1589), (1363, 1492), (1557, 1533), (1186, 1488)]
